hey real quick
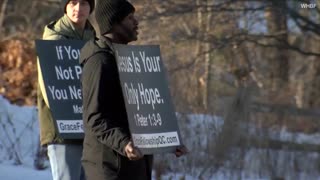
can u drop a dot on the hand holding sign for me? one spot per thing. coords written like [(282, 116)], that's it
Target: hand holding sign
[(132, 152), (181, 150)]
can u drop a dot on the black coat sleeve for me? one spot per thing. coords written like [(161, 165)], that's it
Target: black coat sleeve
[(103, 107)]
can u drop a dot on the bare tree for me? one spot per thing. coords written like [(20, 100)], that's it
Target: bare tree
[(277, 27)]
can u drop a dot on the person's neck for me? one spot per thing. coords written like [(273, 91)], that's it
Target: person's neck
[(115, 39), (80, 26)]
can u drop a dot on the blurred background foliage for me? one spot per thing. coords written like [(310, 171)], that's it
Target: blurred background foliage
[(253, 61)]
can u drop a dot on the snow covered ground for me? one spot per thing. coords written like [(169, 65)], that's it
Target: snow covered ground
[(13, 172), (19, 135)]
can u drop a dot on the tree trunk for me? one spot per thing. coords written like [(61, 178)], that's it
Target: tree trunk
[(201, 51), (3, 4), (313, 100), (278, 57), (207, 64)]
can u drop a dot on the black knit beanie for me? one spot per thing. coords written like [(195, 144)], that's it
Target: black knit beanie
[(109, 12), (65, 2)]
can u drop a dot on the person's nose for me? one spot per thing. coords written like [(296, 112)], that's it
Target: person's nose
[(77, 7), (136, 22)]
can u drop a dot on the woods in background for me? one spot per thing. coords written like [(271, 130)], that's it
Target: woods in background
[(245, 60)]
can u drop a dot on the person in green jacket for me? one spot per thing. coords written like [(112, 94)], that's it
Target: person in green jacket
[(64, 154)]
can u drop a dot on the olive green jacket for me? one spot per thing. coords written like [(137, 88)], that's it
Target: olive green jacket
[(56, 30)]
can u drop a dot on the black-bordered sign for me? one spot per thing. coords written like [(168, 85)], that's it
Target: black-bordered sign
[(150, 111), (59, 63)]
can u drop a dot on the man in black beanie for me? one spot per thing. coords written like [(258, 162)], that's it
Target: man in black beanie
[(108, 152)]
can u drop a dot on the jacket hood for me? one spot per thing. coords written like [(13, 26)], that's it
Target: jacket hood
[(94, 46), (87, 51)]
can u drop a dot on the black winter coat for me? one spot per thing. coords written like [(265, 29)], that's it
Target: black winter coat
[(105, 120)]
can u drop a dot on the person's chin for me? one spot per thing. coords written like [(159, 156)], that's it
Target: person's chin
[(135, 36), (134, 39), (75, 20)]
